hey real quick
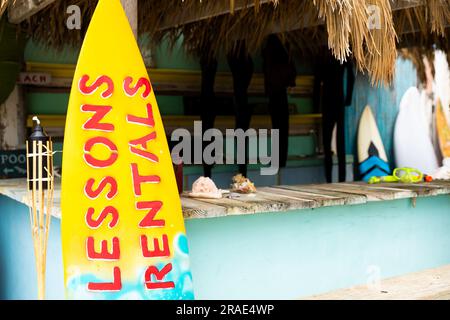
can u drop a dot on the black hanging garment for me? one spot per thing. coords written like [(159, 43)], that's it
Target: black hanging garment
[(241, 66), (279, 74), (207, 101), (329, 97)]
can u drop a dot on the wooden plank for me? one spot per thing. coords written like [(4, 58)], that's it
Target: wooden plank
[(232, 206), (315, 199), (12, 112), (258, 121), (175, 81), (266, 202), (318, 200), (202, 13), (372, 194), (339, 198), (261, 203), (428, 284), (421, 190), (292, 198), (20, 10), (223, 7), (194, 208), (398, 193), (441, 184), (131, 10)]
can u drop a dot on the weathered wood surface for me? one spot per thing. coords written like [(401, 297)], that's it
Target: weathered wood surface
[(273, 199), (430, 284), (332, 196), (21, 10), (224, 7), (368, 192)]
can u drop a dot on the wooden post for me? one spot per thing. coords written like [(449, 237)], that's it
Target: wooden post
[(131, 10), (12, 121), (21, 10)]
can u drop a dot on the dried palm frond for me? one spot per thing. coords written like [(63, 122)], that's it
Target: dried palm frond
[(48, 27), (439, 14), (206, 29), (336, 14), (360, 36), (380, 61)]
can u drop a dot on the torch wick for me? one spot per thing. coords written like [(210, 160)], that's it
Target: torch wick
[(35, 118)]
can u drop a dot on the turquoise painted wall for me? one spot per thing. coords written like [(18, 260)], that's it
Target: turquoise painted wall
[(17, 267), (385, 102), (268, 256)]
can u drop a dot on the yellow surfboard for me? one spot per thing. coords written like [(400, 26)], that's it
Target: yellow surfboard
[(123, 233), (443, 130)]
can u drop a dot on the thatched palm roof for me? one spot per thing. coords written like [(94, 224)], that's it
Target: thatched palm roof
[(346, 27)]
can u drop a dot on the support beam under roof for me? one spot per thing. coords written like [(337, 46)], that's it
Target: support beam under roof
[(20, 10), (223, 7)]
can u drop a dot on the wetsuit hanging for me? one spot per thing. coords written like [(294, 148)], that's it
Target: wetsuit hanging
[(279, 74), (241, 66), (207, 101), (329, 98)]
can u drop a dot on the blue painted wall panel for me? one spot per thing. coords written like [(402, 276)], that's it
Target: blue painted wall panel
[(385, 102), (17, 267)]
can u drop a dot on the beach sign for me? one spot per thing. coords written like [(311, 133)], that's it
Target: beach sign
[(123, 234)]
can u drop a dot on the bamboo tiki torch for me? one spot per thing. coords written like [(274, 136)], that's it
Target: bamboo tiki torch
[(40, 193)]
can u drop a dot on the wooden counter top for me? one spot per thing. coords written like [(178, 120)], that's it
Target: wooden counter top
[(273, 199)]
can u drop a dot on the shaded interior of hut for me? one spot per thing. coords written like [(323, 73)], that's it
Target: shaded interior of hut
[(308, 69)]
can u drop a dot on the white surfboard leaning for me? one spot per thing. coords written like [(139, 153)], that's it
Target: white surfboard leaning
[(372, 157), (412, 144)]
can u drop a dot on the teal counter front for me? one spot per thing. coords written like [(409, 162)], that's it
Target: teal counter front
[(284, 242)]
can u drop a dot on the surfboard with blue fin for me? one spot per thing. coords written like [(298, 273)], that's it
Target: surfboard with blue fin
[(372, 156)]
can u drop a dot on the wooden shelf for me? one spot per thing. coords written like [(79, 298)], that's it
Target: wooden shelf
[(173, 81), (258, 121)]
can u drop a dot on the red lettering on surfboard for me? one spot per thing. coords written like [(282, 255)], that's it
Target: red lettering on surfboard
[(107, 211), (138, 179), (149, 121), (96, 163), (90, 89), (93, 193), (145, 154), (100, 112), (142, 142), (116, 285), (153, 208), (157, 250), (159, 275), (104, 254), (131, 91)]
